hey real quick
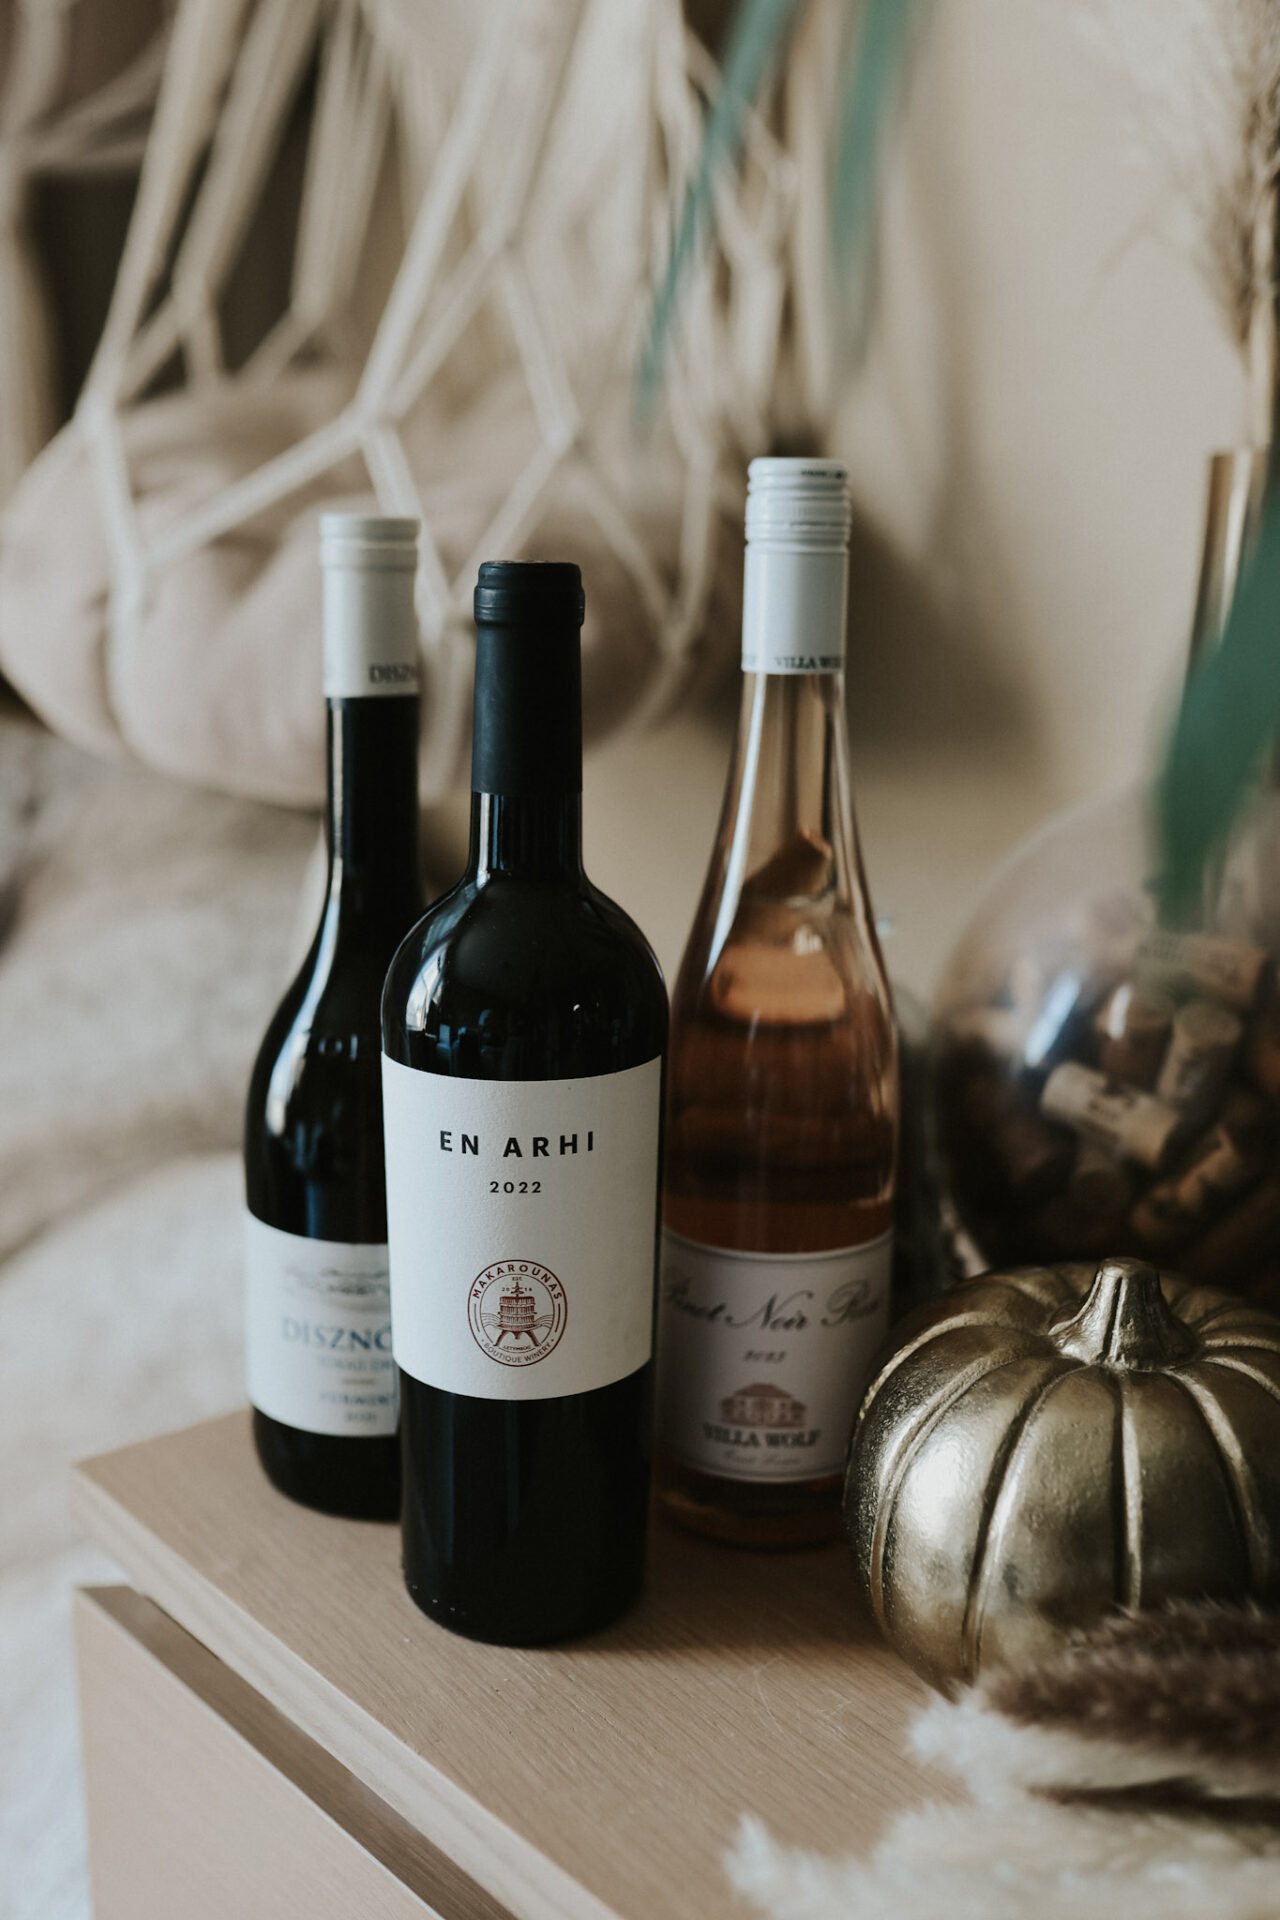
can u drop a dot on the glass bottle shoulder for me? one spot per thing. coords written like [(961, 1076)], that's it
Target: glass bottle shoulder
[(313, 1116), (507, 977), (759, 962), (323, 1038)]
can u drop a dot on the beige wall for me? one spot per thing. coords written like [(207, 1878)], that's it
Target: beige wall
[(1047, 376)]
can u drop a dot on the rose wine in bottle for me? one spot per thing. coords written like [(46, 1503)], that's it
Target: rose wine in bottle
[(524, 1025), (321, 1376), (782, 1091)]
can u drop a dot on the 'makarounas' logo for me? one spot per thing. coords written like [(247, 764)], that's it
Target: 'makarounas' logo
[(517, 1311)]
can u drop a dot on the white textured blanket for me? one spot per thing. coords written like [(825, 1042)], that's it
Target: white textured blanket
[(120, 1324), (145, 932)]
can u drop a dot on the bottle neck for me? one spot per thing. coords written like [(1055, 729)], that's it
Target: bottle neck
[(787, 841), (533, 837), (788, 805), (788, 814), (526, 752), (371, 816)]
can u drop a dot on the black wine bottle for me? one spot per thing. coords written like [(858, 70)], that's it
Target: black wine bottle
[(321, 1375), (524, 1026)]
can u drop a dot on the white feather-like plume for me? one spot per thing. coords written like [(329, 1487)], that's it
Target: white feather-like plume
[(1205, 76)]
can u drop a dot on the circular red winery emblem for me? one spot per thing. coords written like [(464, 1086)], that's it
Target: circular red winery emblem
[(517, 1311)]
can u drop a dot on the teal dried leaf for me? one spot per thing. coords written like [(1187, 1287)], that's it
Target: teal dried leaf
[(878, 48), (879, 42), (759, 32), (1230, 713)]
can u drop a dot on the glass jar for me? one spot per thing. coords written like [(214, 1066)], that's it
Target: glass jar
[(1106, 1085)]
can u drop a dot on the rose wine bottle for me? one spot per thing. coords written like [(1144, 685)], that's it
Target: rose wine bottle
[(524, 1025), (782, 1093), (321, 1375)]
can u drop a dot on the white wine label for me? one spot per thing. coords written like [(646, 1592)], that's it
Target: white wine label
[(370, 633), (318, 1333), (793, 611), (522, 1217), (763, 1357)]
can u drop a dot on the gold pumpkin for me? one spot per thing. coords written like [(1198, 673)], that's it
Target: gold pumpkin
[(1047, 1444)]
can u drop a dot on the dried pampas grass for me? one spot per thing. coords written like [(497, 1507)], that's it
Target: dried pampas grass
[(1198, 1687), (1135, 1775), (1181, 1705), (1049, 1863), (1205, 75)]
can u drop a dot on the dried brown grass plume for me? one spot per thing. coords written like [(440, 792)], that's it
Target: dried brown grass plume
[(1199, 1682), (1205, 77)]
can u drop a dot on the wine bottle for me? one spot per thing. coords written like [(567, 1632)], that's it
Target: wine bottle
[(321, 1375), (524, 1026), (782, 1094)]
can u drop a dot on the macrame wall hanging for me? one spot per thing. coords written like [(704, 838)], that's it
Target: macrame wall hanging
[(76, 92), (486, 201)]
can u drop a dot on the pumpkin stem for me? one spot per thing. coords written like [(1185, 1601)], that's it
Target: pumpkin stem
[(1126, 1322)]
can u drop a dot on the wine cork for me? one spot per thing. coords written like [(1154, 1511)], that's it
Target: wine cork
[(1203, 1045), (1099, 1187), (1133, 1033), (1226, 1160), (1247, 1123), (1034, 1158), (1159, 1226), (1135, 1125), (1241, 1240), (1232, 971)]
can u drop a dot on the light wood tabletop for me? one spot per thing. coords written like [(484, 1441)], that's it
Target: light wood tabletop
[(602, 1778)]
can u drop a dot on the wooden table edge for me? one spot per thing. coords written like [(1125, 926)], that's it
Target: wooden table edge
[(484, 1847)]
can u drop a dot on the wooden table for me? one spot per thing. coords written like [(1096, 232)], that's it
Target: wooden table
[(272, 1728)]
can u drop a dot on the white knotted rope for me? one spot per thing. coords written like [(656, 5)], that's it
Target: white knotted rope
[(99, 133), (504, 243)]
